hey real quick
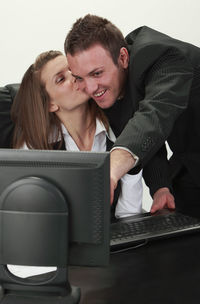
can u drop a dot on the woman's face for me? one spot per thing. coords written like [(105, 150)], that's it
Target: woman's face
[(60, 86)]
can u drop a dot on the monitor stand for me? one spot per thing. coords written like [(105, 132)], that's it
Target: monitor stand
[(48, 288)]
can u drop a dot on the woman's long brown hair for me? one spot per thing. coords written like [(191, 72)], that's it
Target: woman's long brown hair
[(34, 124)]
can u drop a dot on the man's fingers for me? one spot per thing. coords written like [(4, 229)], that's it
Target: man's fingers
[(156, 206), (171, 204), (112, 190), (163, 201), (153, 209), (111, 195)]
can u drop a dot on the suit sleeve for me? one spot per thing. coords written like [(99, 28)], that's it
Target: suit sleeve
[(166, 85), (156, 173)]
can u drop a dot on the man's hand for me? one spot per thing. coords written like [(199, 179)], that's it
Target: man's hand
[(121, 161), (162, 199)]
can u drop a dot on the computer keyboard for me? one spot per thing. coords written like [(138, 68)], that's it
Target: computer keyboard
[(137, 229)]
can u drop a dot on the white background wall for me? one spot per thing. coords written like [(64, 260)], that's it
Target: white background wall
[(29, 27)]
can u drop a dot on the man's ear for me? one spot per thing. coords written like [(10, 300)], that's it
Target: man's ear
[(123, 59), (53, 107)]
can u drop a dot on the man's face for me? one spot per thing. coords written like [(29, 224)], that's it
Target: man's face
[(97, 75)]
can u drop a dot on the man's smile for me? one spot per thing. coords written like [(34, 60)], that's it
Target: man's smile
[(99, 94)]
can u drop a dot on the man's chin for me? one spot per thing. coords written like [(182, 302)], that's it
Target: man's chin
[(104, 104)]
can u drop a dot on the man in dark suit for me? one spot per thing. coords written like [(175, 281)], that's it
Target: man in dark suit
[(149, 87)]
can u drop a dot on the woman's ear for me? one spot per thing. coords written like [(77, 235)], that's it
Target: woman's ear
[(53, 107), (123, 59)]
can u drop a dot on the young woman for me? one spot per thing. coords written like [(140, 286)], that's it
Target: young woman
[(49, 112)]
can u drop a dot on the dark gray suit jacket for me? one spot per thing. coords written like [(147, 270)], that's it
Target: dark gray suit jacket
[(162, 102)]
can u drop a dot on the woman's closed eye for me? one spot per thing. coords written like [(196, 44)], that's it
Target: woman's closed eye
[(60, 79)]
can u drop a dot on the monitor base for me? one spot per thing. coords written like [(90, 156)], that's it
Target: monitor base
[(14, 298)]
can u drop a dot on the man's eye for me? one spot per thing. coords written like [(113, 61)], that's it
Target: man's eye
[(96, 74), (78, 79)]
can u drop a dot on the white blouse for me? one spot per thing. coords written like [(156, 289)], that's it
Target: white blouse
[(130, 198)]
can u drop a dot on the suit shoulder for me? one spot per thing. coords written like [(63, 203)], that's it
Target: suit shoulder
[(146, 46), (145, 37)]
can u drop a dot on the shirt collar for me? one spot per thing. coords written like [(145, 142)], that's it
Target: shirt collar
[(100, 128)]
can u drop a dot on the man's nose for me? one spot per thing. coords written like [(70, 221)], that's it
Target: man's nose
[(90, 86)]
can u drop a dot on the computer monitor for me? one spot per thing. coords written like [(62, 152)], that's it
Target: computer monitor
[(54, 211), (82, 178)]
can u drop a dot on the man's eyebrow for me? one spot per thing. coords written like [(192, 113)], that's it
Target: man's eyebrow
[(76, 76), (93, 71), (89, 74)]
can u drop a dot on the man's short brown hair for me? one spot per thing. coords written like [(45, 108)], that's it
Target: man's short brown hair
[(91, 30)]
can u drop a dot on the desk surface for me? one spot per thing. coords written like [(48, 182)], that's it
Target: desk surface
[(164, 272)]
